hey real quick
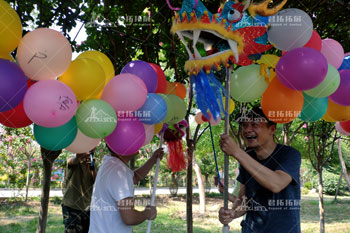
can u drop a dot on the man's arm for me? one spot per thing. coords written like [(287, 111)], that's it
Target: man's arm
[(226, 216), (130, 216), (275, 181), (142, 171)]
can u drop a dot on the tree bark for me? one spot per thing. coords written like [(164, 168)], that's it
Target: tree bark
[(48, 158), (338, 186), (321, 204), (200, 185), (343, 164), (189, 219), (28, 176)]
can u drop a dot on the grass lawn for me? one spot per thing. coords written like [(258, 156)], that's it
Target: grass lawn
[(20, 217)]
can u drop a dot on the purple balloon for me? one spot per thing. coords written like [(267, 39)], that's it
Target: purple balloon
[(128, 137), (13, 85), (302, 68), (342, 94), (144, 71)]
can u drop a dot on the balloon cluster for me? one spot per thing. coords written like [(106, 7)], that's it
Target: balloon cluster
[(75, 104), (313, 75)]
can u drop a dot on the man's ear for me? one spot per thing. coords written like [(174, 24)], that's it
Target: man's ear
[(273, 128)]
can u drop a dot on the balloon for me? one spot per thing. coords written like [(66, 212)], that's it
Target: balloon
[(170, 88), (302, 69), (333, 51), (338, 112), (13, 85), (161, 84), (149, 130), (15, 118), (44, 54), (180, 90), (125, 92), (56, 138), (339, 128), (315, 41), (214, 122), (85, 77), (96, 118), (346, 63), (289, 29), (231, 105), (281, 104), (342, 94), (11, 28), (102, 60), (179, 109), (328, 86), (128, 136), (144, 71), (247, 84), (82, 143), (50, 103), (198, 118), (170, 109), (327, 118), (153, 111), (313, 108), (7, 56), (158, 127), (345, 125)]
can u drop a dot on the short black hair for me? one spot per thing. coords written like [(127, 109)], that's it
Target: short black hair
[(256, 114)]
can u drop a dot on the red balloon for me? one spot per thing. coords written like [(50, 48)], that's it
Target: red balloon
[(161, 86), (315, 41), (345, 125), (16, 117)]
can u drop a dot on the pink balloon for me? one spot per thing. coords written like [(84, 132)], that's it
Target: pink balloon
[(50, 103), (333, 51), (128, 137), (83, 143), (198, 118), (149, 130), (347, 54), (44, 54), (342, 94), (125, 92), (214, 122), (341, 130)]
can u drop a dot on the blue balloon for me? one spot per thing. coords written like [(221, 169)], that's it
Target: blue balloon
[(153, 111), (313, 108), (346, 64)]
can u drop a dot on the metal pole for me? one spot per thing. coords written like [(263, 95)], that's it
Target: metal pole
[(153, 198), (225, 228)]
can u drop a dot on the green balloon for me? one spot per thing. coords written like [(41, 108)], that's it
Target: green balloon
[(179, 109), (329, 85), (96, 118), (247, 84), (170, 109), (313, 108), (56, 138)]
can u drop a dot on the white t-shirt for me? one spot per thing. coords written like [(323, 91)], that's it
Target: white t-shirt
[(114, 182)]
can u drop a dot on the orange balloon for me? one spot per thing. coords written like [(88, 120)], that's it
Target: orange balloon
[(338, 112), (280, 103), (327, 118), (170, 88), (180, 90)]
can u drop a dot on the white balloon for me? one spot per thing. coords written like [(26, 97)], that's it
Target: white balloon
[(83, 143), (289, 29), (149, 130)]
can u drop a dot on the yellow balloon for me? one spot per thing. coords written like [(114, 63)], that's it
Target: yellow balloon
[(231, 105), (327, 118), (10, 28), (7, 56), (338, 112), (101, 59), (158, 127), (85, 77)]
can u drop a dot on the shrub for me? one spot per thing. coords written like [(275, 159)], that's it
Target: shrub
[(308, 185), (330, 183)]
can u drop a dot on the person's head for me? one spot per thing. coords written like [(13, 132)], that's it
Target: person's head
[(257, 130), (122, 157)]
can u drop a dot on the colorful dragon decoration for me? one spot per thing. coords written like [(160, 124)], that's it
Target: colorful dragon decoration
[(236, 34)]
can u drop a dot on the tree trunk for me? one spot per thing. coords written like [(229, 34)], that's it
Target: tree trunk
[(28, 178), (48, 158), (189, 219), (343, 165), (339, 182), (200, 185), (321, 205)]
